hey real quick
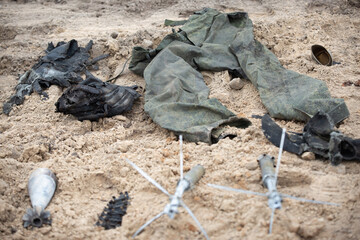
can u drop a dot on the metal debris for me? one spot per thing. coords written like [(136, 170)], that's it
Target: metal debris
[(112, 215), (41, 186), (185, 183), (269, 179)]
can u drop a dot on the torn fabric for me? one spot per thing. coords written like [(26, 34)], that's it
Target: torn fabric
[(216, 41), (62, 66), (93, 99)]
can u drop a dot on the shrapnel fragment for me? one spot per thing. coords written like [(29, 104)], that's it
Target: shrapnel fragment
[(112, 215)]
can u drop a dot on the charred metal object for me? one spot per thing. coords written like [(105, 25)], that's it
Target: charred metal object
[(41, 187), (62, 66), (112, 215), (319, 136), (93, 99)]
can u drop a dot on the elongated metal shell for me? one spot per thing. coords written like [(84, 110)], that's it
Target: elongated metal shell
[(266, 163), (41, 186), (194, 175), (268, 177)]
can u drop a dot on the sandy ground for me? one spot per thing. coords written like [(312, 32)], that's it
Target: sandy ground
[(87, 157)]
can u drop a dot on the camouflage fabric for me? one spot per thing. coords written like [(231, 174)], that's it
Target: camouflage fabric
[(177, 98)]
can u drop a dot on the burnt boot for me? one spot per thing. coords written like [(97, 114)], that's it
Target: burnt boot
[(343, 148)]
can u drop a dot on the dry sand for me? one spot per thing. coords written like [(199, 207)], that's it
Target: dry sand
[(87, 157)]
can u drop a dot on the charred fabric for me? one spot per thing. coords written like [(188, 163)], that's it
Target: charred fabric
[(93, 99), (63, 66)]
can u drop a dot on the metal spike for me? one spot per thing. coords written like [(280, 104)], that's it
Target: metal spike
[(271, 219), (147, 223), (181, 158), (276, 175), (280, 153), (237, 190), (195, 219), (309, 200), (145, 175), (184, 184)]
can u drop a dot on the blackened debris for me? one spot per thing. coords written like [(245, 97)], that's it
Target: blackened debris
[(343, 148), (112, 215), (62, 66), (93, 99), (347, 83), (350, 83), (273, 133), (319, 136)]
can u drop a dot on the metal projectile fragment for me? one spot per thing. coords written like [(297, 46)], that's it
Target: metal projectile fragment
[(184, 184), (269, 180), (113, 213), (270, 176), (41, 187)]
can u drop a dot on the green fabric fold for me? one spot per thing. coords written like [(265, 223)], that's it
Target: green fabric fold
[(177, 98)]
